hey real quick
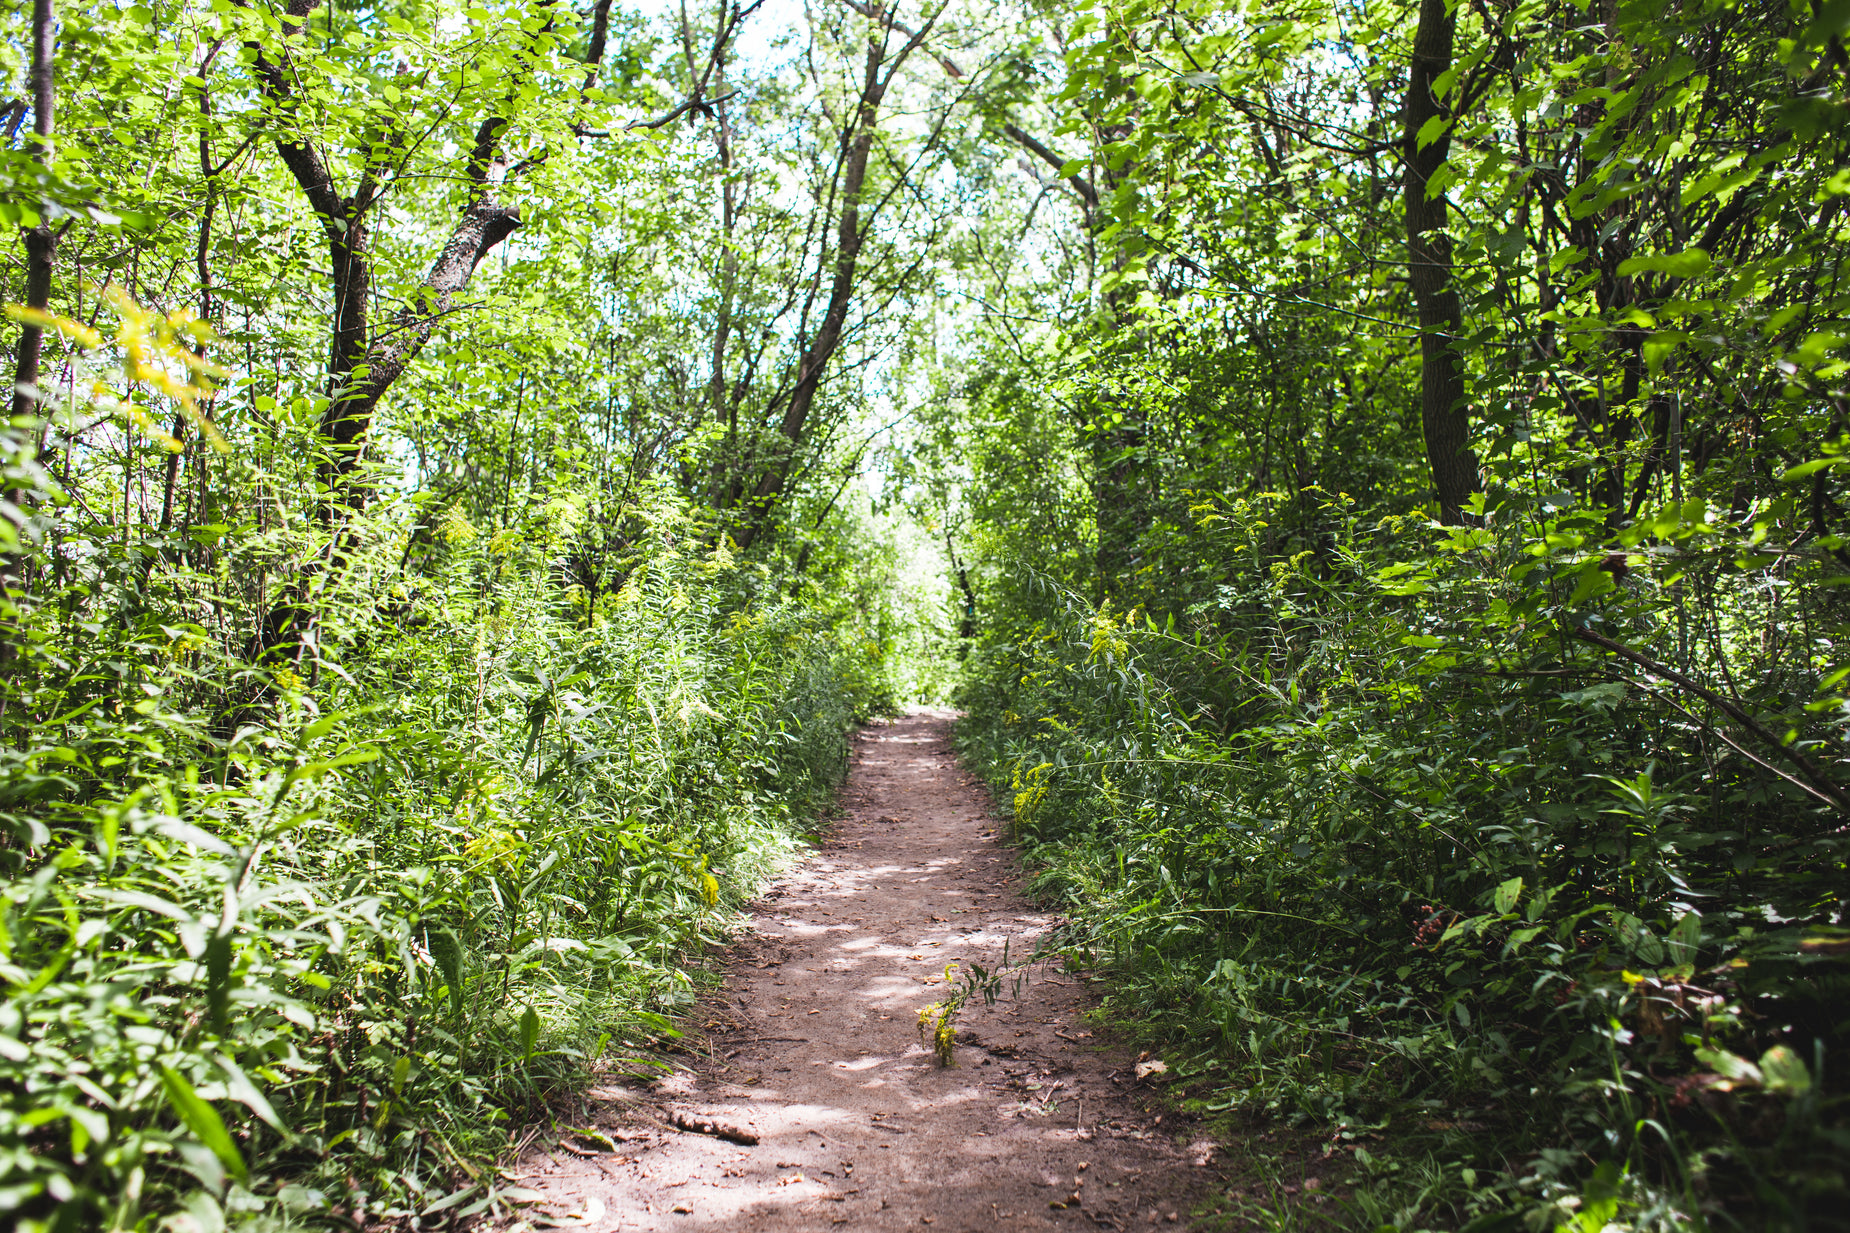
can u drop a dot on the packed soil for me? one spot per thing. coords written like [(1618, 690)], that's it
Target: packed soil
[(807, 1100)]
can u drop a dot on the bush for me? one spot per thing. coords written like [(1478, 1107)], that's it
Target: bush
[(304, 936), (1376, 840)]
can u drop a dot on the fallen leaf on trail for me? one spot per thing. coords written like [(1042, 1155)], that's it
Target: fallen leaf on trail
[(1147, 1069), (792, 1180), (684, 1209), (594, 1212)]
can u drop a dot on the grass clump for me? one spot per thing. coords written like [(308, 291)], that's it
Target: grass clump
[(298, 939)]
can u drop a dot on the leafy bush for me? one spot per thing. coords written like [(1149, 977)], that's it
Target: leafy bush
[(1378, 840), (308, 935)]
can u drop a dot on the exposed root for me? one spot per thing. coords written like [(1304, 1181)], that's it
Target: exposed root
[(699, 1126)]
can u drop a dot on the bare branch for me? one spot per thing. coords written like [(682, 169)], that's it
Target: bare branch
[(1813, 773)]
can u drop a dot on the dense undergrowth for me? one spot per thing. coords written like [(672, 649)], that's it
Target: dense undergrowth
[(286, 947), (1370, 840)]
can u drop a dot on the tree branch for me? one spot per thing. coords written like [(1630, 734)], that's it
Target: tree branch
[(1811, 771), (1027, 141), (1014, 132), (303, 160)]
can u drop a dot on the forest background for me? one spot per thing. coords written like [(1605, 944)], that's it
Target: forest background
[(1372, 472)]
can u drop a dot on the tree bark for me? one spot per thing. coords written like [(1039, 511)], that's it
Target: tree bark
[(363, 363), (1443, 416), (41, 241), (851, 234)]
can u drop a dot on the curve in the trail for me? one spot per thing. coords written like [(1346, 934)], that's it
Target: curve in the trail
[(812, 1048)]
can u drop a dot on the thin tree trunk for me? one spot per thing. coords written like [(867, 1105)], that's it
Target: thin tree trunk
[(41, 241), (1443, 417), (725, 405), (202, 263), (41, 244), (815, 357)]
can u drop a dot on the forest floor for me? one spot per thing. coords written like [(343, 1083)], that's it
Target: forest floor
[(811, 1047)]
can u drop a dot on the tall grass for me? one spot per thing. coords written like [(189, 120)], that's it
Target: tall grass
[(301, 943)]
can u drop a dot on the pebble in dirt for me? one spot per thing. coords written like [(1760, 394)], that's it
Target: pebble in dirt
[(815, 1052)]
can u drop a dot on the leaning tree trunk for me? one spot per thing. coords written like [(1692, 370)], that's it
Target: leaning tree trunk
[(1443, 417), (853, 226)]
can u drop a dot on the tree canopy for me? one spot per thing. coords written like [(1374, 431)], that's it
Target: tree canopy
[(1371, 472)]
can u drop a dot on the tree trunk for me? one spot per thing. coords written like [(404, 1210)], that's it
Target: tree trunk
[(41, 244), (363, 363), (850, 235), (1443, 417), (41, 241)]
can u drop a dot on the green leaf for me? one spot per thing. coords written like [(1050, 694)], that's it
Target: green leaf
[(446, 952), (1508, 895), (1690, 263), (1806, 470), (1593, 581), (1637, 938), (203, 1120), (1600, 1203), (1522, 937), (1731, 1066), (239, 1087), (1683, 938), (1784, 1072)]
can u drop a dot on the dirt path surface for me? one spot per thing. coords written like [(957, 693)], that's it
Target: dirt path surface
[(815, 1052)]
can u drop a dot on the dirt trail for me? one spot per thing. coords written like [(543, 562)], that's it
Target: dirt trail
[(814, 1049)]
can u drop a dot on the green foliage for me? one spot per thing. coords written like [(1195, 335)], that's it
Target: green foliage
[(339, 937), (367, 782), (1518, 843), (1373, 842)]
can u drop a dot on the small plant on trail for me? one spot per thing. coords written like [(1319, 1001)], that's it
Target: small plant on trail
[(938, 1022)]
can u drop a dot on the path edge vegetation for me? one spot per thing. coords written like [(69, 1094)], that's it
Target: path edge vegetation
[(392, 710), (1407, 593)]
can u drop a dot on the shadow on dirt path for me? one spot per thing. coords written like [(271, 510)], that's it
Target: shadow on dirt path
[(813, 1050)]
